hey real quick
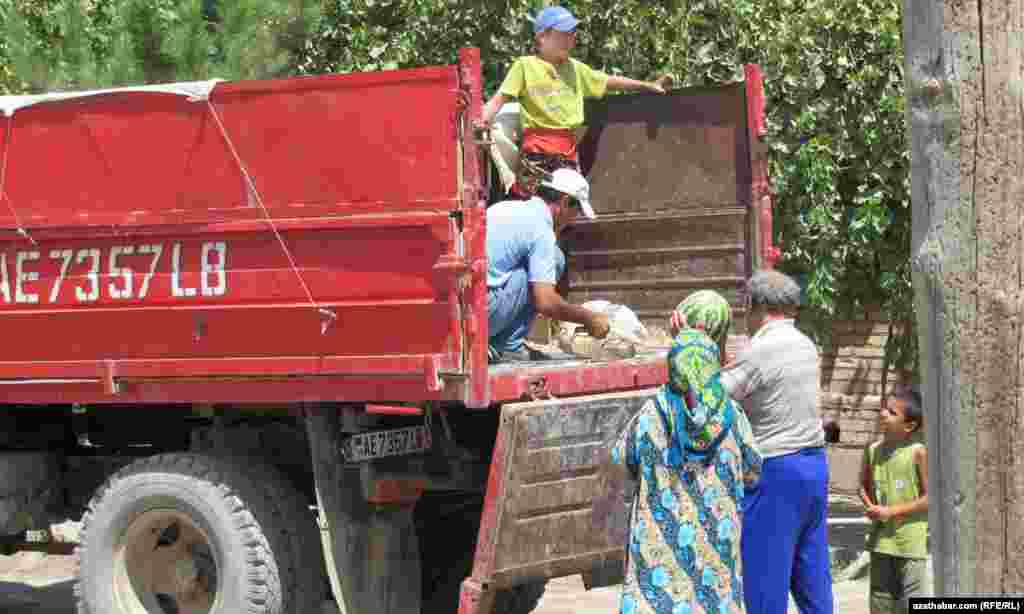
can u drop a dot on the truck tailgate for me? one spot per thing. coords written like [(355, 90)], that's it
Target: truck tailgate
[(550, 510), (681, 191)]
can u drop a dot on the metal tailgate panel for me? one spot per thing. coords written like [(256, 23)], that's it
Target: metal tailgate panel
[(551, 511), (672, 183)]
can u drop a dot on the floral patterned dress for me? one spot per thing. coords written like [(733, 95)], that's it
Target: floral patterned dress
[(692, 452)]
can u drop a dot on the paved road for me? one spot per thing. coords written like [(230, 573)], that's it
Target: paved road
[(32, 583), (567, 596)]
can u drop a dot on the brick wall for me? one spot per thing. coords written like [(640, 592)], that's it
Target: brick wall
[(851, 391)]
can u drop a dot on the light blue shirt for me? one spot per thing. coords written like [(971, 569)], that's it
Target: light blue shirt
[(521, 235)]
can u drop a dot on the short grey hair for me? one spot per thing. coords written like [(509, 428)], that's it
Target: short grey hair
[(773, 289)]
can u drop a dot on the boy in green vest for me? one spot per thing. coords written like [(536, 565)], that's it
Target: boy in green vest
[(894, 491)]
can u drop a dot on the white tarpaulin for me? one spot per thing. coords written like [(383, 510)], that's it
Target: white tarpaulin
[(195, 91)]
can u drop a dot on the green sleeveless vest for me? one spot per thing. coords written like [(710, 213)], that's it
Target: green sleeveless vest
[(896, 481)]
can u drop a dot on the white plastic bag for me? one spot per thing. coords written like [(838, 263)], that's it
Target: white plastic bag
[(625, 337)]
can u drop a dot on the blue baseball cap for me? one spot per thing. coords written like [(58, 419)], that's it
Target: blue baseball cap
[(556, 17)]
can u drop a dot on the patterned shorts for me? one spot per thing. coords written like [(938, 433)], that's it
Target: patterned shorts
[(535, 166)]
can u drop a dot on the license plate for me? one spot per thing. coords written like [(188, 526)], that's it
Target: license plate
[(379, 444)]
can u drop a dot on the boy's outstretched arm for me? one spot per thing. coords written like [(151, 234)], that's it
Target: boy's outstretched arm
[(616, 82)]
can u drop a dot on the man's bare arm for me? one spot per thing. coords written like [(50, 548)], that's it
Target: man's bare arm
[(549, 303)]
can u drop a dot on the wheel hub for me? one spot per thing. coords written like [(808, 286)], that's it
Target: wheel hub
[(165, 565)]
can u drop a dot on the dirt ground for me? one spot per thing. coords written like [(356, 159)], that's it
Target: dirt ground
[(34, 583)]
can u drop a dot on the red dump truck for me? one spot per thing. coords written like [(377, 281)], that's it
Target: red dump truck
[(245, 328)]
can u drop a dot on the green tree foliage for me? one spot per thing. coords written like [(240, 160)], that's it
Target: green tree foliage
[(833, 81), (77, 44)]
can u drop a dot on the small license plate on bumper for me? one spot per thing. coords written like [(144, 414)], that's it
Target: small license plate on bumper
[(380, 444)]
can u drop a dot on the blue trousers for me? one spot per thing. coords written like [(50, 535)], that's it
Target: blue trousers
[(510, 311), (785, 536)]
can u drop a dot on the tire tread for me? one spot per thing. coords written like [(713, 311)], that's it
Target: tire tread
[(278, 539)]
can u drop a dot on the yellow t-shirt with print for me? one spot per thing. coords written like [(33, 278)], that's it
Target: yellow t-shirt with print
[(550, 96)]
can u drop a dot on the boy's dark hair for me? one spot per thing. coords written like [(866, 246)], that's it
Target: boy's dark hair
[(549, 195), (915, 407)]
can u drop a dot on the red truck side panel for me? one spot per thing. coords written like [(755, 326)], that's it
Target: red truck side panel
[(323, 238), (145, 255), (475, 235)]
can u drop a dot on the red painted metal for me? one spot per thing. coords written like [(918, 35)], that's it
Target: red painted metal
[(349, 237), (373, 366), (477, 393), (476, 597), (384, 221), (395, 492), (576, 378), (760, 185), (393, 410), (333, 378)]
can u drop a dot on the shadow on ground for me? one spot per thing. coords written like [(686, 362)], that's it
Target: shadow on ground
[(21, 598)]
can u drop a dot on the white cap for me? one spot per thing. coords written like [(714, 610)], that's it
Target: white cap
[(568, 181)]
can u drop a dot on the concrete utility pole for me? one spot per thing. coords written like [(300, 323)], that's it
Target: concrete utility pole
[(964, 106)]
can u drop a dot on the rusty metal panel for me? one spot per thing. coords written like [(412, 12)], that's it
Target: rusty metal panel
[(552, 511), (671, 181)]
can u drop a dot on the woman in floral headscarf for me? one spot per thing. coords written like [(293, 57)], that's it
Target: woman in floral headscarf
[(691, 451)]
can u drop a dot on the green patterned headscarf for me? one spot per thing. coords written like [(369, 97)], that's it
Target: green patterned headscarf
[(708, 311), (693, 403)]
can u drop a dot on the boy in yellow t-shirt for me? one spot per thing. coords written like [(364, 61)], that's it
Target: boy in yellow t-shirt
[(550, 88), (894, 491)]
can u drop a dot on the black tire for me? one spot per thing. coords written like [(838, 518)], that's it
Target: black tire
[(253, 548)]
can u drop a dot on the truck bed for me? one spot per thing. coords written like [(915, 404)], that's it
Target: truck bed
[(311, 239), (572, 376)]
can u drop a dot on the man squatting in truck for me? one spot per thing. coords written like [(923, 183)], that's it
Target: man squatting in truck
[(525, 262)]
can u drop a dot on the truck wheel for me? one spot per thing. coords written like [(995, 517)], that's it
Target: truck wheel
[(194, 534)]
